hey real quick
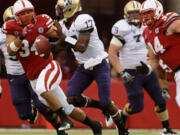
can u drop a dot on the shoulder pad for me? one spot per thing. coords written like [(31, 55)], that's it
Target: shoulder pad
[(11, 27), (169, 18), (121, 28), (84, 22)]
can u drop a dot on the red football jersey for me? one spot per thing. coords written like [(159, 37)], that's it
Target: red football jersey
[(166, 47), (32, 63)]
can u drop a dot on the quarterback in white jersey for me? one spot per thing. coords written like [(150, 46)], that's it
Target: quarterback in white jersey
[(81, 34), (128, 42)]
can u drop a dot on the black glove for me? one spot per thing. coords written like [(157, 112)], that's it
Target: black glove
[(144, 69), (126, 77), (165, 93)]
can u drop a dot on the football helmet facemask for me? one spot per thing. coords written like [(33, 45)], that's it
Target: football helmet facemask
[(24, 12), (151, 12), (67, 8), (132, 11), (8, 14)]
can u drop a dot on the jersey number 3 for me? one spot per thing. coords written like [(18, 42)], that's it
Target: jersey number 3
[(25, 50)]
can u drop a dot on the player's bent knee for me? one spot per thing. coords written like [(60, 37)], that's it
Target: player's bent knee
[(160, 108), (132, 109), (79, 101)]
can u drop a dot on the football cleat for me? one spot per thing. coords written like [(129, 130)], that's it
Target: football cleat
[(66, 125), (97, 128), (34, 117), (169, 132), (108, 119), (62, 133)]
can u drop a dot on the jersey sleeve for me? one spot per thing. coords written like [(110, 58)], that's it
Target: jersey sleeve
[(11, 27), (84, 22), (170, 17), (45, 21), (120, 29)]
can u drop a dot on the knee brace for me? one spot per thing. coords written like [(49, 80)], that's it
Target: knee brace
[(79, 101), (160, 108), (129, 109)]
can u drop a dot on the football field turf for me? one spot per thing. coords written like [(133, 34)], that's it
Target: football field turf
[(75, 132)]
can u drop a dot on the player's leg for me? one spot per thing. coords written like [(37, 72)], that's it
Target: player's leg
[(78, 83), (49, 115), (162, 79), (20, 97), (101, 74), (80, 80), (47, 80), (160, 104), (76, 113)]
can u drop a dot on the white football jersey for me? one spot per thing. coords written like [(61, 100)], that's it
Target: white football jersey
[(134, 50), (95, 47), (13, 66)]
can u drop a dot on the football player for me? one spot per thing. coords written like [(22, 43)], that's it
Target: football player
[(127, 40), (162, 39), (44, 74), (20, 87), (81, 34)]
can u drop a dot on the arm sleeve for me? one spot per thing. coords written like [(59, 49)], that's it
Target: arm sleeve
[(84, 23)]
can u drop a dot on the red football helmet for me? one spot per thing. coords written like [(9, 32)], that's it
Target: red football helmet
[(24, 12), (151, 12)]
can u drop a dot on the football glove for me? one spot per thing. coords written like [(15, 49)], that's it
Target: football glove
[(126, 77), (165, 93), (144, 69)]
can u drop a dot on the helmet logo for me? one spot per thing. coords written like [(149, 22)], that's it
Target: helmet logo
[(68, 2)]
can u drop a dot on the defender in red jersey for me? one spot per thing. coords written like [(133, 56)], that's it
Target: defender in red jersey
[(45, 74), (162, 37)]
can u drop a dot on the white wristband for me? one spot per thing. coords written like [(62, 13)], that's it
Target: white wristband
[(13, 47), (71, 40)]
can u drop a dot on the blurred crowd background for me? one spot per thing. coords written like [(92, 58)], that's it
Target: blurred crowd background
[(105, 13)]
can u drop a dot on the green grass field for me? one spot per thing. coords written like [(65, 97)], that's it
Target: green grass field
[(75, 132)]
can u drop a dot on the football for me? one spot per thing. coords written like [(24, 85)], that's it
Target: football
[(43, 46)]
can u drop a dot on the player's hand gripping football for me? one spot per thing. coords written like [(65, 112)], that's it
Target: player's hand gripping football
[(126, 77), (144, 69)]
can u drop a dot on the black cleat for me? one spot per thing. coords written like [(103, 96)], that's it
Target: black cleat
[(169, 132), (123, 132), (97, 128), (62, 133)]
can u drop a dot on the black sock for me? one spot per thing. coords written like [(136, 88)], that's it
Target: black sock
[(165, 124), (96, 128), (87, 121), (62, 114), (124, 118)]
